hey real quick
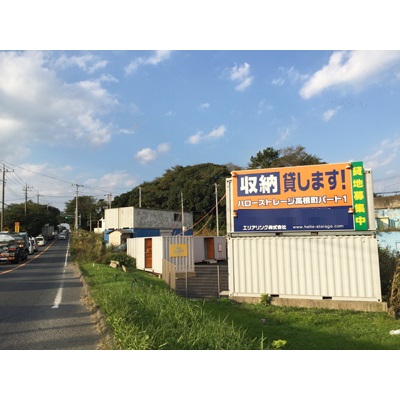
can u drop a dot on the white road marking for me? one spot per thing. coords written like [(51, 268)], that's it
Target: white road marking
[(58, 299)]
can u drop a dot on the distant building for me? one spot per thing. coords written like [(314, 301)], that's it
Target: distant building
[(144, 222), (387, 217)]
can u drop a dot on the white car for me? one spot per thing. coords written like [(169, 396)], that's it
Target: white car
[(33, 246), (62, 235), (40, 240)]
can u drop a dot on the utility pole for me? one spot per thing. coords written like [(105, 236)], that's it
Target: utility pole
[(183, 225), (109, 197), (140, 197), (4, 170), (76, 206), (26, 198), (216, 207)]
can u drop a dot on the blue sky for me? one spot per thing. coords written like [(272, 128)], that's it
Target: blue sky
[(110, 120)]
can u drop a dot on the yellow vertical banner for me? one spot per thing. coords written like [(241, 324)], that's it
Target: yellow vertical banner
[(16, 227)]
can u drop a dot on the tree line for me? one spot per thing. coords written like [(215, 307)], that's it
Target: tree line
[(200, 186)]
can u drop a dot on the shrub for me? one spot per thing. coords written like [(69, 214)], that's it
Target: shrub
[(86, 246), (395, 293), (387, 268), (265, 299), (91, 247), (122, 258)]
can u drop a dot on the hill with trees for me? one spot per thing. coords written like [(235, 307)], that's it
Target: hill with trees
[(202, 185)]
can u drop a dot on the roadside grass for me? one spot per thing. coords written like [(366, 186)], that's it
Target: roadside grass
[(142, 312)]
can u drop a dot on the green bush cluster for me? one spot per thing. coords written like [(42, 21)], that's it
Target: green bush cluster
[(90, 247), (387, 266), (122, 258)]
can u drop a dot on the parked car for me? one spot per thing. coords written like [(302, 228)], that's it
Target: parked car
[(34, 245), (31, 247), (22, 241), (6, 241), (40, 240), (10, 250)]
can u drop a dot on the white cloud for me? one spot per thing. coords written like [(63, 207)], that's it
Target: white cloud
[(278, 82), (147, 155), (163, 148), (217, 133), (213, 135), (126, 131), (196, 138), (328, 114), (284, 133), (204, 106), (385, 154), (354, 68), (263, 107), (291, 74), (241, 76), (38, 105), (112, 181), (158, 57), (87, 62), (295, 76)]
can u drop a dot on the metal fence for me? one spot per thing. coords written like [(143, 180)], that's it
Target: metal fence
[(207, 280)]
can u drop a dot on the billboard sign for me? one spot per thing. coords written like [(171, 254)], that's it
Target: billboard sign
[(302, 198)]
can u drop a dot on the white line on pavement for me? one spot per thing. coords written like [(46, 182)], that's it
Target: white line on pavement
[(58, 299)]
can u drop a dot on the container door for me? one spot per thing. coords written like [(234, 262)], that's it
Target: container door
[(210, 248), (148, 244)]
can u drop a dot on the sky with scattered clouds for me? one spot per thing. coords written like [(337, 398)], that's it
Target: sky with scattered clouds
[(110, 120)]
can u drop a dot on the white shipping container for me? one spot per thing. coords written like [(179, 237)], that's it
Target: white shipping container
[(151, 251), (307, 267), (209, 248), (142, 218)]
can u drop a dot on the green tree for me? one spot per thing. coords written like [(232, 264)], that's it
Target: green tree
[(197, 185), (286, 157), (90, 210), (264, 159), (31, 218)]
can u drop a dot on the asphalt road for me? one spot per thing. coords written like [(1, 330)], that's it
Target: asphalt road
[(41, 304)]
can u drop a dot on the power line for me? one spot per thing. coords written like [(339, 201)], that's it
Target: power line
[(39, 173)]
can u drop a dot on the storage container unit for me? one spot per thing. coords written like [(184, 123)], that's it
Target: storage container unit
[(151, 251), (209, 248), (119, 236), (292, 245), (313, 267)]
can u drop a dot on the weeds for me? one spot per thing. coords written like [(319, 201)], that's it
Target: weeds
[(150, 316)]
